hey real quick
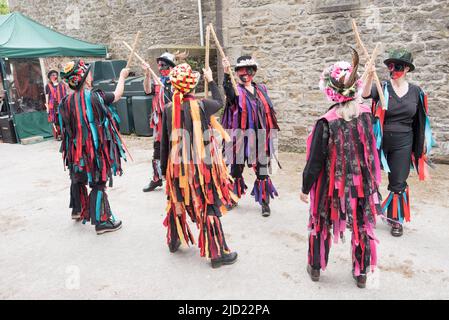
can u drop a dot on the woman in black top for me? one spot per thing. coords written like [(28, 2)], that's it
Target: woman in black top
[(403, 134)]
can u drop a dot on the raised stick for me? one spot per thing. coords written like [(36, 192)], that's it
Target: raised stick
[(206, 64), (367, 56), (143, 61), (371, 61), (220, 50), (131, 55)]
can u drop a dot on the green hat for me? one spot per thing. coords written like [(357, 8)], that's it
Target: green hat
[(400, 56)]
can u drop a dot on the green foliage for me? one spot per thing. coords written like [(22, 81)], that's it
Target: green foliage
[(197, 63), (4, 9)]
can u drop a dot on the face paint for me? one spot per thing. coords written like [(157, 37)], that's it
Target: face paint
[(164, 68), (396, 70), (246, 75), (53, 77), (396, 74), (165, 73)]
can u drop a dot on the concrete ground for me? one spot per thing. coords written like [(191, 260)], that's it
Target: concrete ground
[(45, 255)]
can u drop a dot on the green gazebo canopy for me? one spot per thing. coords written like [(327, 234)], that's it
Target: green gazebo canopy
[(21, 37)]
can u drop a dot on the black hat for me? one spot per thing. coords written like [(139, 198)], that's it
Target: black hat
[(168, 58), (51, 72), (245, 61), (400, 56)]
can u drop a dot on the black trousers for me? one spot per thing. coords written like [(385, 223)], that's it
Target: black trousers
[(78, 189), (95, 204), (261, 171), (397, 147), (157, 150)]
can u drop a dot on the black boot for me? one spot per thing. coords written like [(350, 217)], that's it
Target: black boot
[(314, 273), (266, 211), (397, 230), (361, 281), (76, 215), (108, 226), (173, 247), (231, 206), (153, 185), (227, 258)]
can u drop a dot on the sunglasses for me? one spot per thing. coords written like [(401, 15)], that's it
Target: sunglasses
[(162, 65), (396, 67)]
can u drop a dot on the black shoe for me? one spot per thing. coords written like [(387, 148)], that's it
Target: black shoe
[(153, 185), (314, 273), (76, 216), (361, 281), (396, 230), (108, 226), (231, 206), (227, 258), (174, 247), (265, 210)]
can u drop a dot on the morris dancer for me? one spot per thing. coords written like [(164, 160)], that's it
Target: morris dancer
[(91, 145), (197, 180), (403, 133), (252, 118), (161, 96), (342, 174), (54, 92)]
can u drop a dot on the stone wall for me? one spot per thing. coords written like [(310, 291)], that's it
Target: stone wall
[(293, 40)]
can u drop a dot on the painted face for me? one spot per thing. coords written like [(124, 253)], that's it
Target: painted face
[(246, 75), (397, 70), (164, 68)]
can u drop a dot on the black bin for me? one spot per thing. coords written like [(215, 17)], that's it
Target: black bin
[(124, 111), (7, 129), (141, 110)]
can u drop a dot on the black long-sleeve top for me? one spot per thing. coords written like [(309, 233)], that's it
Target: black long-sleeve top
[(208, 107), (402, 111), (317, 156), (228, 88), (405, 114)]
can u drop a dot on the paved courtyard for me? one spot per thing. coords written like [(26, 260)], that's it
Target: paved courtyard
[(45, 255)]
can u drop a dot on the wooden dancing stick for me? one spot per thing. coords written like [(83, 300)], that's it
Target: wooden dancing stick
[(131, 55), (371, 61), (220, 50), (367, 56), (206, 64), (156, 78)]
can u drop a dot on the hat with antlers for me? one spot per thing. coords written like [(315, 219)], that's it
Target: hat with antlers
[(340, 82)]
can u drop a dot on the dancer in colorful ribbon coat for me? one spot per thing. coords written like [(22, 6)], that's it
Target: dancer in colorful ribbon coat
[(342, 174), (251, 117), (92, 147), (161, 96), (198, 183), (403, 134), (54, 92)]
